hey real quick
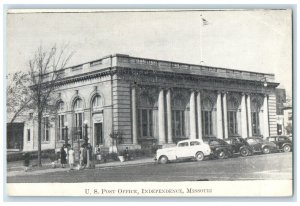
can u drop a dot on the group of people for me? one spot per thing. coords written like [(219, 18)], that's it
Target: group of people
[(67, 154)]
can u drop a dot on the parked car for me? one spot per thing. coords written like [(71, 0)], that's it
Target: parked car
[(186, 149), (283, 143), (220, 149), (240, 146), (260, 145)]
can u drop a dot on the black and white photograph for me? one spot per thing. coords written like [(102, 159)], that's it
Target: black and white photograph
[(149, 102)]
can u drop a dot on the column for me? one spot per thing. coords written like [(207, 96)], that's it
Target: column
[(219, 117), (134, 115), (169, 116), (192, 116), (199, 116), (225, 115), (161, 118), (243, 116), (266, 117), (249, 115)]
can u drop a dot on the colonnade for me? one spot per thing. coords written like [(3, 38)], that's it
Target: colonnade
[(195, 125)]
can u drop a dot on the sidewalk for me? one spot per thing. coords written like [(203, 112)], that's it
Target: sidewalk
[(17, 169)]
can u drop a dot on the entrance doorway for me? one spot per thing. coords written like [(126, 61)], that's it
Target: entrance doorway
[(98, 133)]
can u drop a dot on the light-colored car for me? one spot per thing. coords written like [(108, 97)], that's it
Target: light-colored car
[(186, 149)]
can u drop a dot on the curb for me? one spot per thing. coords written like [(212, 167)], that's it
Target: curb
[(98, 166), (124, 165)]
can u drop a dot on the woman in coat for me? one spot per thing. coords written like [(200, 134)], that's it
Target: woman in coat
[(71, 158), (63, 157)]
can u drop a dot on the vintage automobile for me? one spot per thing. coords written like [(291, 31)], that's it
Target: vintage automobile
[(283, 143), (260, 145), (186, 149), (220, 149), (240, 146)]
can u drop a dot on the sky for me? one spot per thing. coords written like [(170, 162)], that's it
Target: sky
[(256, 40)]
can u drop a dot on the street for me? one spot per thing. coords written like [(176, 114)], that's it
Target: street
[(276, 166)]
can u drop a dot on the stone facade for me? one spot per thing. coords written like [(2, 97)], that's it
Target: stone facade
[(154, 102)]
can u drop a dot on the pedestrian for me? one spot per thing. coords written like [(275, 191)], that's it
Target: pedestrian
[(63, 157), (26, 161), (81, 151), (126, 154), (71, 158), (84, 156), (91, 156)]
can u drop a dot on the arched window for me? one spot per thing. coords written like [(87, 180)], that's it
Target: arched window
[(255, 108), (78, 118), (60, 120), (178, 117), (60, 106), (97, 102), (206, 115), (232, 108), (78, 104), (146, 116)]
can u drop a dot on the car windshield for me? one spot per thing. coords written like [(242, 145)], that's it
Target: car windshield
[(217, 142), (259, 140), (272, 139), (282, 138), (222, 142), (214, 143), (235, 141), (194, 143), (183, 144), (251, 141)]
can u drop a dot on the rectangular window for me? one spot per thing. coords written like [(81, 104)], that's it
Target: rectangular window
[(78, 125), (46, 129), (206, 123), (61, 127), (255, 123), (28, 135), (232, 123), (178, 123), (146, 122), (290, 116)]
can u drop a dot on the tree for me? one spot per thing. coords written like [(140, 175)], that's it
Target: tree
[(45, 71), (18, 95)]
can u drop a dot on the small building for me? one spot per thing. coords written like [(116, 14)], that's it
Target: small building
[(14, 136), (156, 103)]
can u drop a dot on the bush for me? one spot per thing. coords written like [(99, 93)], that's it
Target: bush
[(11, 157)]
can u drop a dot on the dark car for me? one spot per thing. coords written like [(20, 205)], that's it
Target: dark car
[(219, 148), (260, 145), (283, 143), (240, 146)]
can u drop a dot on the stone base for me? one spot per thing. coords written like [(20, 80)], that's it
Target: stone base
[(122, 147)]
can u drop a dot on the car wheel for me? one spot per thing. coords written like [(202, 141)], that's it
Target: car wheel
[(244, 152), (287, 148), (199, 156), (221, 154), (266, 150), (163, 160)]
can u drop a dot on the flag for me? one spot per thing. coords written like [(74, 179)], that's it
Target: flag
[(204, 22)]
